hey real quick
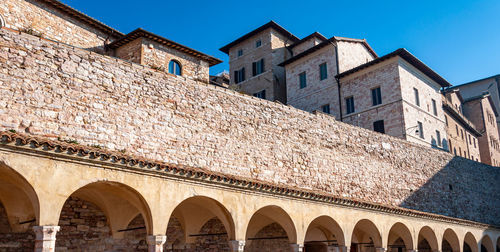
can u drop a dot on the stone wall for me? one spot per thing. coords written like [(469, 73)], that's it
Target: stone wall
[(352, 54), (131, 51), (39, 18), (54, 90), (305, 45), (15, 241), (271, 238)]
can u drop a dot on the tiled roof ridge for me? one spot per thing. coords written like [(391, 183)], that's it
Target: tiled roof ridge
[(19, 140)]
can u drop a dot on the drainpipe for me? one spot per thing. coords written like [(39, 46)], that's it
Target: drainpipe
[(338, 79)]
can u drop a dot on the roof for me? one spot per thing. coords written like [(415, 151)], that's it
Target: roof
[(481, 96), (313, 35), (472, 82), (270, 24), (105, 157), (325, 43), (141, 33), (82, 17), (408, 57)]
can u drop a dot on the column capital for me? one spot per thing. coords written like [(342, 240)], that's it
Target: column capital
[(45, 238), (297, 247), (236, 246), (380, 249), (155, 242)]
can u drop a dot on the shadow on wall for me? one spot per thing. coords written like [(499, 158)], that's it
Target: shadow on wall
[(453, 191)]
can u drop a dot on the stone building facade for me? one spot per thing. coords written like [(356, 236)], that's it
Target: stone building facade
[(462, 134), (397, 95), (254, 59), (482, 112), (53, 20), (490, 85)]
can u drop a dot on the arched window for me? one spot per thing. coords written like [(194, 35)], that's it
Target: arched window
[(174, 67)]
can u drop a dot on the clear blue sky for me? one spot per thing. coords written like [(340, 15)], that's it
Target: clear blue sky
[(457, 38)]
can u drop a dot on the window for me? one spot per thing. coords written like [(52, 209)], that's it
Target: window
[(258, 67), (472, 158), (420, 130), (434, 107), (417, 99), (459, 151), (449, 144), (474, 142), (302, 80), (174, 67), (240, 52), (446, 120), (261, 94), (456, 128), (349, 104), (470, 140), (378, 126), (376, 96), (258, 43), (462, 133), (326, 108), (455, 151), (438, 138), (239, 75), (322, 72)]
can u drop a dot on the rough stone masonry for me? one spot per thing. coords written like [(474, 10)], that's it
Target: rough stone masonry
[(54, 90)]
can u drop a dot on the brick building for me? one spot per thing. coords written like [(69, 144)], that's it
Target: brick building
[(396, 94), (51, 19), (462, 133), (482, 112), (478, 87), (254, 59)]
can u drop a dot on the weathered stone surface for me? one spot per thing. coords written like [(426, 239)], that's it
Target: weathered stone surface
[(122, 106)]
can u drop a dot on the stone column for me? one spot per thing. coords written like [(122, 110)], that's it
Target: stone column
[(344, 249), (155, 242), (297, 247), (332, 248), (45, 238), (236, 246)]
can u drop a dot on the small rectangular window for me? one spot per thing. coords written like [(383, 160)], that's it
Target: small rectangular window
[(349, 105), (420, 130), (438, 138), (434, 107), (239, 75), (446, 120), (240, 52), (417, 99), (378, 126), (302, 80), (258, 67), (323, 72), (326, 108), (376, 96), (456, 128), (470, 140), (261, 94), (462, 133), (258, 43), (474, 142)]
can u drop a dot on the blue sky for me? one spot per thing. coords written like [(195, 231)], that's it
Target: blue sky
[(458, 39)]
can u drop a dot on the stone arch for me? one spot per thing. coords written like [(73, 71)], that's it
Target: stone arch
[(450, 241), (470, 243), (427, 240), (399, 238), (200, 214), (487, 244), (323, 232), (18, 198), (270, 223), (19, 209), (365, 236), (104, 210)]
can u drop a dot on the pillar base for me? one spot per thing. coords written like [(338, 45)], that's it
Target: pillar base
[(155, 243), (45, 238), (236, 246), (297, 247)]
